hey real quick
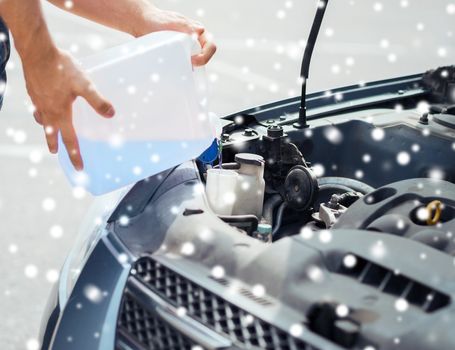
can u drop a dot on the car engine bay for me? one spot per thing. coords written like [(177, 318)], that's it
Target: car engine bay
[(382, 170), (336, 236)]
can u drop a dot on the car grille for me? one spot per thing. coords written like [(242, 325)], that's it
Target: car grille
[(148, 330), (243, 329)]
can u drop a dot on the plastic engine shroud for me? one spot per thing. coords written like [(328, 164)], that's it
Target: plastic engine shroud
[(397, 209)]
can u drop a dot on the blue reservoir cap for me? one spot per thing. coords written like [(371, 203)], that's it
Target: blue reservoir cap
[(210, 154), (264, 229)]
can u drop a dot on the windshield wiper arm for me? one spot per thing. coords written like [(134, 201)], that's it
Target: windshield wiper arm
[(304, 72)]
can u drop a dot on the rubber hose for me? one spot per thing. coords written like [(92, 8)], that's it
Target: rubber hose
[(269, 207), (355, 185), (279, 218), (335, 187)]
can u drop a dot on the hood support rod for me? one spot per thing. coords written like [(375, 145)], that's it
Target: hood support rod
[(304, 72)]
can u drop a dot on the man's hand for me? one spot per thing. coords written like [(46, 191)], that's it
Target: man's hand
[(156, 20), (53, 83), (141, 17)]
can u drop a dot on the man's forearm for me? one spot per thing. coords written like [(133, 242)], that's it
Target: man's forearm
[(129, 16), (26, 22)]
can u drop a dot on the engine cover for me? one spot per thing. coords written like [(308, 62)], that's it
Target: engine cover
[(407, 208)]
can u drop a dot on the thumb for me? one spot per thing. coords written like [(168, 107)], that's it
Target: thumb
[(102, 106)]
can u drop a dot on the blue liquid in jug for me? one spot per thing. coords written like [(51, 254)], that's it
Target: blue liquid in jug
[(107, 168)]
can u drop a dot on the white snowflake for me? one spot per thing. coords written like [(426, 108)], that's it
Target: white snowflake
[(12, 248), (342, 310), (392, 57), (56, 231), (315, 274), (181, 311), (93, 293), (442, 52), (124, 220), (415, 148), (378, 7), (79, 192), (281, 14), (378, 134), (155, 158), (359, 174), (218, 271), (131, 90), (384, 43), (350, 61), (306, 232), (68, 4), (19, 136), (436, 174), (31, 271), (258, 290), (296, 330), (187, 249), (404, 3), (378, 250), (366, 158), (318, 170), (32, 344), (52, 275), (229, 198), (36, 156), (401, 305), (349, 261), (403, 158), (122, 258), (333, 134), (329, 32), (48, 204)]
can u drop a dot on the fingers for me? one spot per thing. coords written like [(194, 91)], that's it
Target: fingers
[(71, 143), (208, 50), (198, 28), (49, 130), (183, 24), (69, 139), (102, 106), (38, 117), (51, 138)]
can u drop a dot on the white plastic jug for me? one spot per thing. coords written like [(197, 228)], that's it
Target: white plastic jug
[(161, 118)]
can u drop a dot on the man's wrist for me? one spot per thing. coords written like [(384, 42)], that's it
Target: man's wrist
[(36, 47), (148, 22)]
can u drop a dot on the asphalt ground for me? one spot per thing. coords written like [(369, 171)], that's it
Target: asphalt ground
[(260, 45)]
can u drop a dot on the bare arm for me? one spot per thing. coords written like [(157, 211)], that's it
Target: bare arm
[(26, 22), (139, 17), (53, 79)]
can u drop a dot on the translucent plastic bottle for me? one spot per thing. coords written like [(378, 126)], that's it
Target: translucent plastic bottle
[(161, 118)]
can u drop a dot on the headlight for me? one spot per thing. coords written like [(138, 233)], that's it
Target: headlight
[(91, 230)]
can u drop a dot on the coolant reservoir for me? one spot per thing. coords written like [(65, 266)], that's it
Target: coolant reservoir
[(221, 189), (239, 189), (160, 120)]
